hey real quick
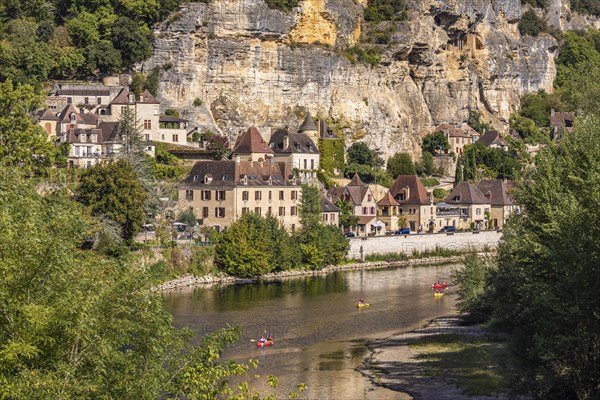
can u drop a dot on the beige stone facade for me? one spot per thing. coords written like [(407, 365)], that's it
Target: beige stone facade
[(220, 192)]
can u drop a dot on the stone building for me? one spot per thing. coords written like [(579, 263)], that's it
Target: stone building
[(363, 205), (299, 151), (330, 213), (466, 207), (220, 192), (458, 137), (493, 140), (414, 203), (387, 212), (496, 191)]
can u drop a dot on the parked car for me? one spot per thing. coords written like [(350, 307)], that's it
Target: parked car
[(349, 234), (403, 231), (448, 229)]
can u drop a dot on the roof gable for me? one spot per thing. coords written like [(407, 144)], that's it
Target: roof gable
[(466, 193), (495, 191), (490, 138), (251, 142), (308, 125), (417, 194), (388, 200)]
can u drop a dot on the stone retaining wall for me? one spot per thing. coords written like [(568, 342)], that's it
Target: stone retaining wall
[(407, 244)]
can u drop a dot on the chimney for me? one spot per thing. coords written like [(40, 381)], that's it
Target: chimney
[(237, 159), (286, 142)]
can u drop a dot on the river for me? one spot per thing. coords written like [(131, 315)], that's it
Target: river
[(319, 332)]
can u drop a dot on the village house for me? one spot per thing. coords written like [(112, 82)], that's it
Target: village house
[(458, 137), (415, 206), (466, 207), (363, 204), (387, 212), (560, 122), (493, 140), (298, 150), (220, 192), (497, 192), (330, 213)]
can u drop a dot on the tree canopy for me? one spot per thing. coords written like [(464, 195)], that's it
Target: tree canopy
[(434, 142), (400, 164)]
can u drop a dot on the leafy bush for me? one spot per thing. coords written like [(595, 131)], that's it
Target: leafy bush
[(440, 193), (473, 280), (432, 143), (283, 5), (197, 102), (430, 182), (385, 10), (532, 25), (370, 55)]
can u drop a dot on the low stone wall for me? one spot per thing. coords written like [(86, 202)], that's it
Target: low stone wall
[(191, 281), (462, 241)]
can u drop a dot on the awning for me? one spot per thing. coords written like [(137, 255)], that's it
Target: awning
[(378, 224)]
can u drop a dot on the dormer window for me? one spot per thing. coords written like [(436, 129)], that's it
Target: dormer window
[(73, 118), (93, 138), (195, 178), (208, 179), (225, 177), (82, 138), (244, 179), (456, 198)]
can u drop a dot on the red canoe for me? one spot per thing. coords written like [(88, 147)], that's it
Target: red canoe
[(264, 344), (439, 286)]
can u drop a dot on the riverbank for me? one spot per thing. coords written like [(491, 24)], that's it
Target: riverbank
[(191, 281), (443, 360)]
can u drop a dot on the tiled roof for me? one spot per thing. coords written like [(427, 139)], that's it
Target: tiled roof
[(492, 137), (122, 97), (86, 118), (251, 142), (356, 181), (496, 191), (388, 200), (147, 98), (327, 205), (110, 131), (297, 143), (228, 173), (335, 193), (365, 219), (466, 193), (49, 116), (308, 125), (417, 194)]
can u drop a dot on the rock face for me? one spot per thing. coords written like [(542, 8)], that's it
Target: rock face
[(254, 66)]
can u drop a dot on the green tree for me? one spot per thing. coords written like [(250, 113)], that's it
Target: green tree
[(476, 123), (83, 28), (101, 56), (188, 217), (347, 219), (428, 165), (114, 190), (527, 130), (243, 250), (22, 142), (133, 43), (433, 142), (77, 325), (458, 173), (310, 207), (400, 164), (473, 279), (532, 25), (538, 106), (547, 279)]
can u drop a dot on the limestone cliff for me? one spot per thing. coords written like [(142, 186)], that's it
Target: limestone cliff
[(254, 66)]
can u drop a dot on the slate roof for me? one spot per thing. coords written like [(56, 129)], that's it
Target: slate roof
[(388, 200), (308, 125), (122, 97), (490, 138), (327, 205), (325, 131), (335, 193), (496, 191), (110, 131), (251, 142), (228, 173), (417, 194), (357, 190), (466, 193), (299, 143), (86, 118)]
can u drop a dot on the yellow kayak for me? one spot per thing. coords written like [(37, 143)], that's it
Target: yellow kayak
[(360, 305), (438, 294)]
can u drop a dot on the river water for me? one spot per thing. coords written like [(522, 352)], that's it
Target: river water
[(319, 333)]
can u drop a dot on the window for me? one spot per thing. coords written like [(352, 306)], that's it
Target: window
[(93, 138), (257, 195), (270, 195), (312, 164), (281, 197), (147, 124), (332, 216), (257, 210), (204, 212), (156, 109), (99, 100), (175, 138), (364, 210), (189, 195), (372, 210), (294, 195), (245, 195), (305, 162), (478, 211), (324, 217), (205, 195), (281, 211), (245, 210), (369, 198), (82, 139), (69, 100), (220, 212), (147, 137), (293, 211), (269, 211), (220, 195), (86, 100)]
